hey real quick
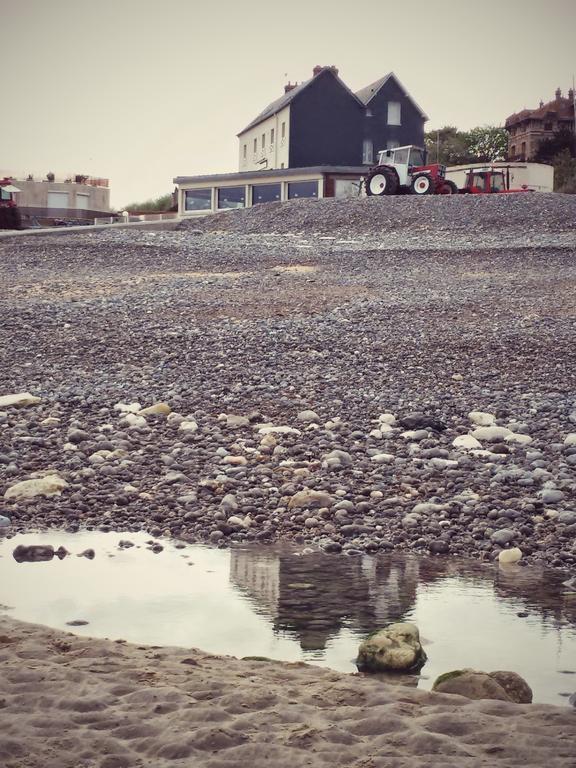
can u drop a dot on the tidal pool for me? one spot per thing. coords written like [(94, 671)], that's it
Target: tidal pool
[(299, 606)]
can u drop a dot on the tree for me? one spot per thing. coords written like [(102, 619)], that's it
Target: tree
[(565, 172), (160, 204), (483, 144), (488, 143), (562, 141), (447, 146)]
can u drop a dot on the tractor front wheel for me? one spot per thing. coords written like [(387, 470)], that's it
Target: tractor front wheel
[(422, 184), (381, 181)]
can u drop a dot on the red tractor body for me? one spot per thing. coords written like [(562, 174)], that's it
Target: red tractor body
[(488, 181)]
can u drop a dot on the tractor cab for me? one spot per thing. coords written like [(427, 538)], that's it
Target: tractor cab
[(403, 159), (481, 181)]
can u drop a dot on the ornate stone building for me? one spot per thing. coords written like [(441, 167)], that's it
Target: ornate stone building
[(528, 128)]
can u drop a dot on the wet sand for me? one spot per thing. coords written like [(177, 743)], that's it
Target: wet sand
[(71, 702)]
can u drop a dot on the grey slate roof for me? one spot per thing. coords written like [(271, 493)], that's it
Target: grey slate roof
[(367, 94), (287, 98)]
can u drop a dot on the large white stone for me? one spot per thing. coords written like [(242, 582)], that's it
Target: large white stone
[(382, 458), (308, 416), (51, 485), (158, 409), (570, 439), (518, 439), (396, 648), (135, 420), (387, 418), (188, 426), (18, 400), (127, 407), (491, 434), (310, 498), (509, 556), (467, 442), (281, 430), (481, 418)]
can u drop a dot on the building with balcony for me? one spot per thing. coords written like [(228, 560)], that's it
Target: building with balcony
[(530, 127)]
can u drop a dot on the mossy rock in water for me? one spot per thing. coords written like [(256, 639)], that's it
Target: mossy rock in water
[(501, 685), (396, 648)]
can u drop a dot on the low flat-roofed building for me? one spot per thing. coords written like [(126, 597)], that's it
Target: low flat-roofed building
[(200, 195)]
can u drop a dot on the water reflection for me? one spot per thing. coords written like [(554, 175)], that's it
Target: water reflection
[(315, 596), (283, 604)]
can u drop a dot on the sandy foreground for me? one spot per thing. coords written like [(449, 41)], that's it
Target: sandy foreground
[(71, 702)]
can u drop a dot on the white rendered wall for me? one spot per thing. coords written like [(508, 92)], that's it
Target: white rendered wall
[(274, 155)]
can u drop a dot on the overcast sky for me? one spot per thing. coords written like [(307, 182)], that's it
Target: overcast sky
[(140, 91)]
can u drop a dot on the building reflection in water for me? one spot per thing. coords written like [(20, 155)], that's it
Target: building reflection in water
[(314, 596)]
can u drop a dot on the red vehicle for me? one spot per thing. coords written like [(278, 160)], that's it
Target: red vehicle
[(9, 213), (489, 180), (404, 169)]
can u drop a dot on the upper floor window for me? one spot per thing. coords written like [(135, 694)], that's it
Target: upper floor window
[(244, 152), (255, 146), (394, 116), (263, 140), (272, 136), (283, 130), (547, 126), (367, 152)]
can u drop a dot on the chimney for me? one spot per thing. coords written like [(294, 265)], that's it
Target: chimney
[(558, 94), (317, 69), (289, 87), (571, 94), (541, 103)]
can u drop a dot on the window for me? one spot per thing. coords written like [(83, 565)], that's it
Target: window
[(416, 157), (523, 150), (82, 201), (302, 189), (244, 152), (198, 200), (401, 156), (367, 152), (58, 200), (231, 197), (266, 193), (255, 146), (263, 140), (281, 165), (394, 113), (547, 126), (497, 182), (272, 136), (283, 130), (513, 151), (392, 144)]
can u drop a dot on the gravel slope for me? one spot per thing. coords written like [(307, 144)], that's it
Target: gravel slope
[(427, 309)]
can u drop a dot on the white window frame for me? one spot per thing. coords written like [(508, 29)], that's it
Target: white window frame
[(367, 152)]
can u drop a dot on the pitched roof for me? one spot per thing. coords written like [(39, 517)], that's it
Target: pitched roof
[(287, 98), (367, 94), (563, 108)]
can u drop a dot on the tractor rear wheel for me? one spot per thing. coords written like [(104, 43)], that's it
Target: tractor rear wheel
[(448, 188), (422, 184), (381, 181)]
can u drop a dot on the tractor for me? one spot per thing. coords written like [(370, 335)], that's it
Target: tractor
[(403, 170), (9, 212), (489, 180)]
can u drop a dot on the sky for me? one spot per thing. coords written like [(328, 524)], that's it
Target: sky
[(140, 91)]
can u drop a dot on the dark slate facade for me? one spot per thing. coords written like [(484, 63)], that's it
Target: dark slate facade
[(377, 129), (326, 124)]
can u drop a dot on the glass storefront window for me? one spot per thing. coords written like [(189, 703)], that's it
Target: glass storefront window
[(197, 199), (231, 197), (266, 193), (302, 189)]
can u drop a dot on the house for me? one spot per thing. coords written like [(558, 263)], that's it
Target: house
[(317, 140), (322, 122), (528, 128), (42, 201)]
